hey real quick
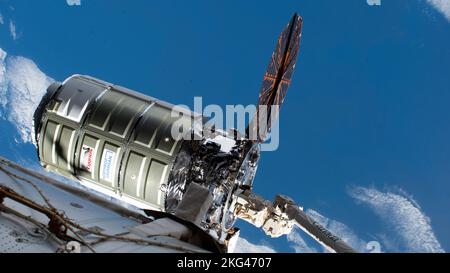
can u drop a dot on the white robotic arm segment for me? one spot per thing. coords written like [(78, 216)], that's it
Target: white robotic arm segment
[(263, 214), (279, 217)]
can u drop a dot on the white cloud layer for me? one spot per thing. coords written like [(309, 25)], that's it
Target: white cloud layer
[(12, 30), (1, 19), (244, 246), (297, 242), (22, 85), (339, 229), (299, 245), (442, 6), (3, 83), (412, 228), (73, 2)]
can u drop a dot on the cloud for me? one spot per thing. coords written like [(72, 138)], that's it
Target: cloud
[(443, 6), (1, 19), (73, 2), (244, 246), (413, 231), (297, 242), (12, 30), (22, 85), (3, 81), (339, 229)]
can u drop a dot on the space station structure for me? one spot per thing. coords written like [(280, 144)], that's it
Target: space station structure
[(122, 143), (43, 213), (163, 158)]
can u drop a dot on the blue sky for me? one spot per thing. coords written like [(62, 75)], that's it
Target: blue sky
[(365, 127)]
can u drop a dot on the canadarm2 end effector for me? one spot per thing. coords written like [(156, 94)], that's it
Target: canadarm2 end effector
[(278, 218)]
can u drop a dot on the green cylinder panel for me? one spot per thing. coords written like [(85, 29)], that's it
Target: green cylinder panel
[(111, 138)]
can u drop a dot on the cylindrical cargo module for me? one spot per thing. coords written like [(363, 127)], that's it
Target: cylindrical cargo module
[(115, 140), (140, 150)]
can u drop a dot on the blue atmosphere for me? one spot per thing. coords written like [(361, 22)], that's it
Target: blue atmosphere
[(365, 127)]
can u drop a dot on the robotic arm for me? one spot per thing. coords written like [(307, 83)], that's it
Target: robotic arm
[(278, 218)]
